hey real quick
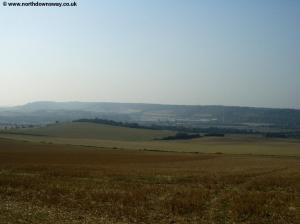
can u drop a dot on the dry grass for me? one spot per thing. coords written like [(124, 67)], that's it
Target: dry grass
[(42, 183)]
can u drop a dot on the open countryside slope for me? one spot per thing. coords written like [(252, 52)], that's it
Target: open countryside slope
[(95, 131), (107, 136), (228, 145), (42, 183)]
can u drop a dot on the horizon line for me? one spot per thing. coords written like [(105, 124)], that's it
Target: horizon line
[(147, 103)]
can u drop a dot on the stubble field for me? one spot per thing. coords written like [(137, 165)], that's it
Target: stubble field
[(52, 183)]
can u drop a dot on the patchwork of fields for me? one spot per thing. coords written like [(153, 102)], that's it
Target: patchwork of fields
[(94, 131), (227, 145), (53, 183), (107, 136)]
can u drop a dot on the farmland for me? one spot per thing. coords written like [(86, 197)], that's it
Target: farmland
[(94, 131), (227, 145), (54, 183)]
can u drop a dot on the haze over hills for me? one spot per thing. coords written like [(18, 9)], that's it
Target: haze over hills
[(180, 115)]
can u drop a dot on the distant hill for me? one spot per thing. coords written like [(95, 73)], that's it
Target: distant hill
[(264, 119)]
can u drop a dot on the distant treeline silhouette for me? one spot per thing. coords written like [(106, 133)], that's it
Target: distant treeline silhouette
[(185, 132), (181, 136), (210, 131), (295, 134), (113, 123)]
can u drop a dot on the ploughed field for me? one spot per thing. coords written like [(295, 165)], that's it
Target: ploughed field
[(53, 183)]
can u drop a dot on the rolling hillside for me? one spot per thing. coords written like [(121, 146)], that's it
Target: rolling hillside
[(261, 119), (95, 131)]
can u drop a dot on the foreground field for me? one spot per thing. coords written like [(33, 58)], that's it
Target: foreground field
[(47, 183)]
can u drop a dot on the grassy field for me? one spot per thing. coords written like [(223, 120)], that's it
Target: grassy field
[(107, 136), (94, 131), (227, 145), (48, 183)]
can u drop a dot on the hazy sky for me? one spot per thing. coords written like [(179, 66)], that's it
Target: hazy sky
[(158, 51)]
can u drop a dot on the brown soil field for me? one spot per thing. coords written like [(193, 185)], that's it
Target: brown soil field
[(52, 183)]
